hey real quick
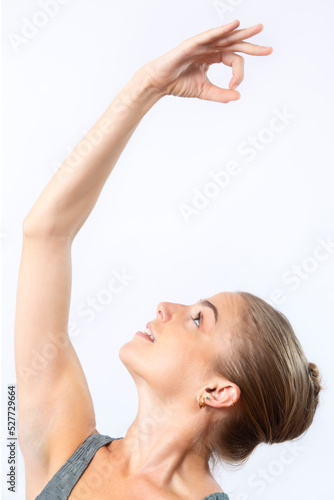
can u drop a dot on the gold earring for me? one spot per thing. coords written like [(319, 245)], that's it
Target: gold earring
[(201, 404)]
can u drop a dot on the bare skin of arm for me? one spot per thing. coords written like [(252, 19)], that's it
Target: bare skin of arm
[(55, 408)]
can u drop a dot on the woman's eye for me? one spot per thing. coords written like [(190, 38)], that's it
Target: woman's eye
[(198, 318)]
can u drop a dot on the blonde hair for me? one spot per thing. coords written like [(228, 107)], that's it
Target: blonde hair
[(279, 387)]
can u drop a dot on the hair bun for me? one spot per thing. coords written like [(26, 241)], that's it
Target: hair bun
[(313, 372)]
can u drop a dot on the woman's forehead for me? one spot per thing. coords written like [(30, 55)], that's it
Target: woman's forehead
[(225, 299), (227, 304)]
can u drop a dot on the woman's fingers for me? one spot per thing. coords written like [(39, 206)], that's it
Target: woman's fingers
[(224, 35), (248, 48), (213, 93), (237, 63), (239, 35), (226, 38), (214, 34)]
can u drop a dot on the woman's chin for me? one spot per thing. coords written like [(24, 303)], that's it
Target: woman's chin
[(128, 353), (123, 351)]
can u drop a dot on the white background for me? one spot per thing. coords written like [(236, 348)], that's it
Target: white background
[(269, 218)]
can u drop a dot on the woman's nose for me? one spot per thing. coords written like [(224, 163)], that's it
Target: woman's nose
[(165, 310)]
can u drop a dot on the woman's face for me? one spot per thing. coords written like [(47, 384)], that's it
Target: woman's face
[(186, 340)]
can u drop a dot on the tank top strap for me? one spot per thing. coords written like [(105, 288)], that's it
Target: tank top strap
[(61, 484), (217, 496)]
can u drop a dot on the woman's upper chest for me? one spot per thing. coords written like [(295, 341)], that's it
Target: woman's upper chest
[(103, 480)]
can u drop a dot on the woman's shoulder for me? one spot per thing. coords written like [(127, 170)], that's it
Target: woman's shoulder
[(207, 488)]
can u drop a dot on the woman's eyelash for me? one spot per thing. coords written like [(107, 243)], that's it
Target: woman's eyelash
[(198, 318)]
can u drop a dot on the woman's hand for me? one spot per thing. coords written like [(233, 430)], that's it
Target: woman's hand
[(183, 70)]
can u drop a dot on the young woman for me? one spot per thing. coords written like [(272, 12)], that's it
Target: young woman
[(221, 375)]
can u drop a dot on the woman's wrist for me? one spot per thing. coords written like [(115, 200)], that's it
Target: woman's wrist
[(131, 103), (139, 92)]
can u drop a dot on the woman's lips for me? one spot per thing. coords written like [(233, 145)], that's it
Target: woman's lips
[(141, 334), (150, 332)]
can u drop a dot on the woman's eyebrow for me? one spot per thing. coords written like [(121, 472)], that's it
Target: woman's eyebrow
[(206, 303)]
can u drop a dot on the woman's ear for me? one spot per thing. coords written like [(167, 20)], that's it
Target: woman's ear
[(224, 395)]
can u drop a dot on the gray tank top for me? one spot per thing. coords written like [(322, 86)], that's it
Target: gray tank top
[(61, 484)]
